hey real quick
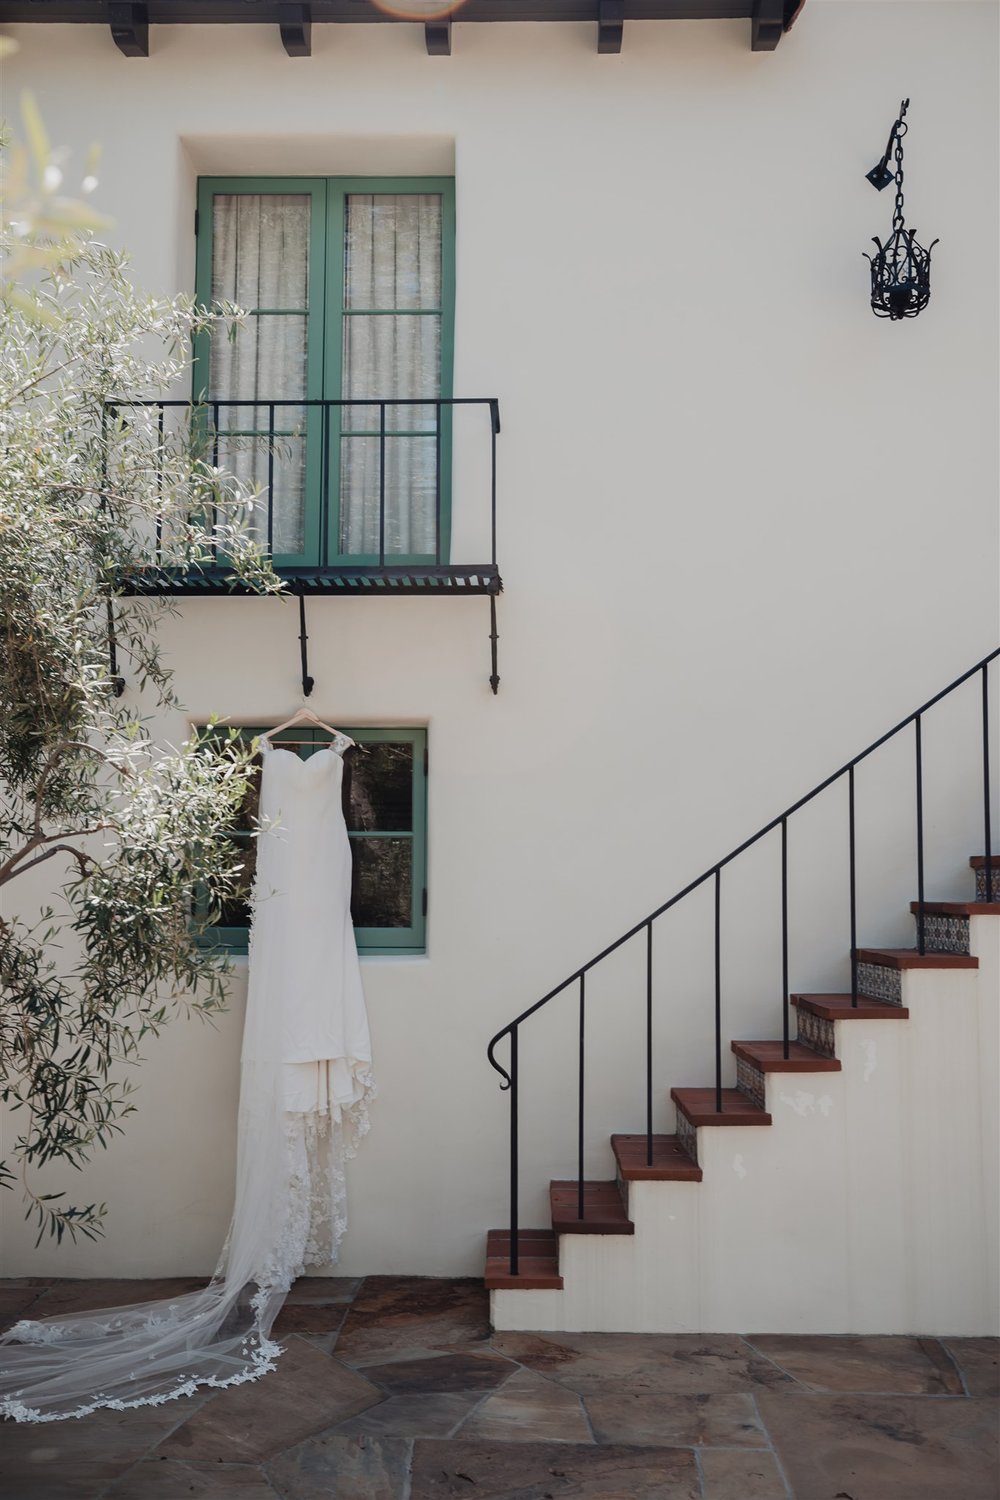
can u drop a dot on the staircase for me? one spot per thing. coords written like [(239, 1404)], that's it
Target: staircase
[(848, 1183)]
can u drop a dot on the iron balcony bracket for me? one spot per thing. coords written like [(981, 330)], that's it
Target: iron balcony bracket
[(308, 683)]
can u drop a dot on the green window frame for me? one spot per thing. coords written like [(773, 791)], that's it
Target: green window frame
[(325, 320), (397, 939)]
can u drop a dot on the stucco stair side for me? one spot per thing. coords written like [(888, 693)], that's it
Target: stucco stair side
[(876, 1181)]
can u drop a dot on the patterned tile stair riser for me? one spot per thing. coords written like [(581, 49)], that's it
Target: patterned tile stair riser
[(945, 933), (750, 1081), (815, 1032), (879, 982), (687, 1135)]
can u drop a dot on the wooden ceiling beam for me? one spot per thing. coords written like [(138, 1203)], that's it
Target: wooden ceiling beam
[(437, 37), (610, 25), (295, 24), (767, 25), (130, 20), (130, 29)]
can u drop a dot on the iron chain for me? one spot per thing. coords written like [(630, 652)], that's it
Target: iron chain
[(901, 129)]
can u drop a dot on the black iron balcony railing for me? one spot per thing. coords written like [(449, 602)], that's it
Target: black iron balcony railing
[(259, 431), (252, 437), (644, 930)]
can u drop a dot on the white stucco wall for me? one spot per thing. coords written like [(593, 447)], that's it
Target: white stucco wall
[(745, 527)]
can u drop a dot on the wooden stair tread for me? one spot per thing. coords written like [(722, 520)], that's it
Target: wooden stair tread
[(536, 1244), (839, 1008), (603, 1209), (671, 1162), (538, 1261), (698, 1106), (959, 908), (909, 958), (769, 1057)]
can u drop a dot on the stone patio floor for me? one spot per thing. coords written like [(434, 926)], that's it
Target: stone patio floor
[(393, 1388)]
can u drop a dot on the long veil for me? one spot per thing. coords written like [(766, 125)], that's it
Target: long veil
[(299, 1118)]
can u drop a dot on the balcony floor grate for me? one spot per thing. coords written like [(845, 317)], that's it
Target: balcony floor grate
[(467, 579)]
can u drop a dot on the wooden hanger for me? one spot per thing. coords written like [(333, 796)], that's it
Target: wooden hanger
[(341, 741)]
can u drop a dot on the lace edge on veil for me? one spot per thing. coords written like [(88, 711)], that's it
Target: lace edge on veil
[(263, 1359)]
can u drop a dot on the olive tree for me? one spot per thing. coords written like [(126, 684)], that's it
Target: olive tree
[(130, 837)]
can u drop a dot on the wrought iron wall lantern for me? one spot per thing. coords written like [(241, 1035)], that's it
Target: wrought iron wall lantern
[(901, 271)]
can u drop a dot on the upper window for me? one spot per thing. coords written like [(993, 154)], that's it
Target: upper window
[(326, 398)]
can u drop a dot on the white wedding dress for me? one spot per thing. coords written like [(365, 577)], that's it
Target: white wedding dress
[(306, 1080)]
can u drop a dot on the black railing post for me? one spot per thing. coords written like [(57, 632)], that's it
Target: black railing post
[(160, 443), (649, 1044), (920, 837), (853, 881), (784, 937), (513, 1153), (494, 638), (326, 416), (718, 990), (381, 484), (215, 465), (117, 680), (494, 429), (437, 482), (270, 478), (987, 850), (579, 1144)]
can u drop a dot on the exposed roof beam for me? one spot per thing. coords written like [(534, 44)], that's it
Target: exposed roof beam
[(130, 21), (295, 22), (767, 24), (437, 37), (130, 29), (610, 25)]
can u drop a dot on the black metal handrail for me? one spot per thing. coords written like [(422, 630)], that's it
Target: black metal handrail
[(211, 408), (509, 1075)]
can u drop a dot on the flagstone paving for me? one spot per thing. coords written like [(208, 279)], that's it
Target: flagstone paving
[(393, 1388)]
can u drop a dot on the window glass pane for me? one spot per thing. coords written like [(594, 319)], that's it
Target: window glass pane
[(410, 495), (260, 249), (235, 911), (260, 259), (381, 788), (263, 465), (382, 886), (392, 250), (393, 356), (364, 419), (265, 359)]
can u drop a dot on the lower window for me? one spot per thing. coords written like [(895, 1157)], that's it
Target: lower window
[(385, 809)]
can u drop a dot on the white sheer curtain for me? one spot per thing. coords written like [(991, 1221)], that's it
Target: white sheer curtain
[(391, 317), (392, 347), (260, 260)]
